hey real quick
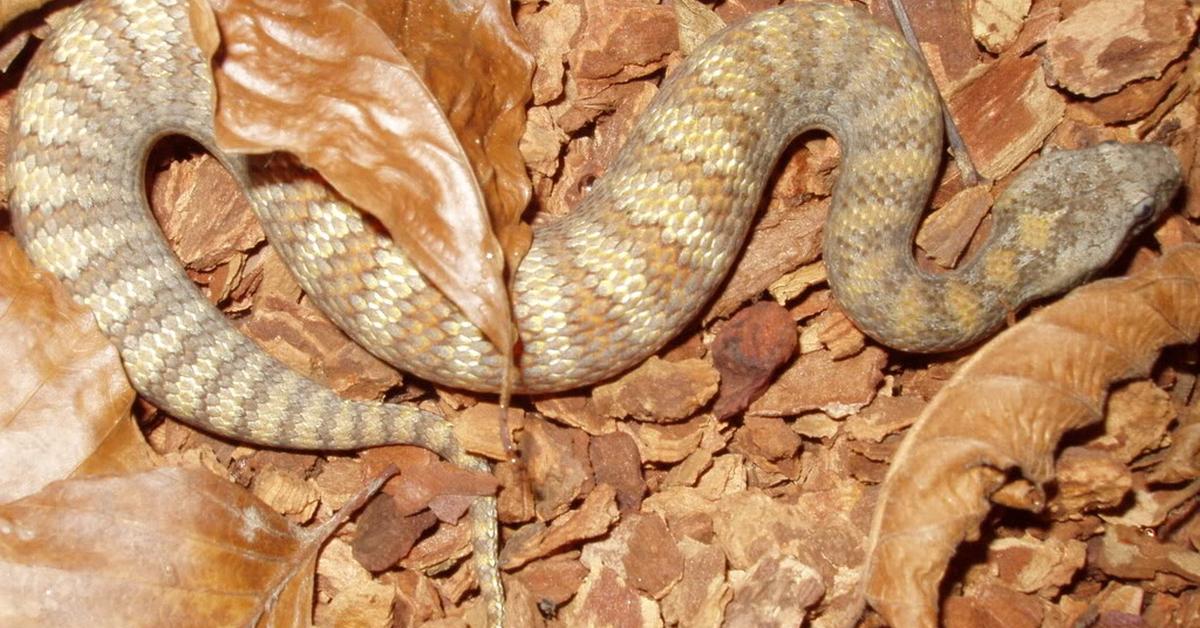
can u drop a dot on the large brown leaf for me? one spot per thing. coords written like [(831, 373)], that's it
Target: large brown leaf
[(357, 112), (171, 546), (63, 395), (476, 63), (1006, 409)]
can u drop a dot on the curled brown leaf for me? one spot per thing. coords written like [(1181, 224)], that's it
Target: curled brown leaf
[(1006, 409), (359, 114)]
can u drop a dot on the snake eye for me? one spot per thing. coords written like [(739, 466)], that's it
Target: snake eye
[(1143, 212)]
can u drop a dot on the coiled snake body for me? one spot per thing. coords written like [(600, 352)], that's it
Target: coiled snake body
[(601, 289)]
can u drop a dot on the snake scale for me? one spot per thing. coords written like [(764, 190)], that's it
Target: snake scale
[(601, 289)]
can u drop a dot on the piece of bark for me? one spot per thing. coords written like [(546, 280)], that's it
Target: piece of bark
[(701, 595), (556, 459), (835, 331), (1028, 564), (1006, 113), (1105, 44), (945, 234), (993, 607), (593, 518), (652, 561), (659, 391), (555, 578), (669, 443), (778, 590), (818, 382), (575, 410), (996, 24), (747, 351), (384, 535), (1126, 552), (616, 462)]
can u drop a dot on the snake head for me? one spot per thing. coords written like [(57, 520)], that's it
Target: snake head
[(1083, 206)]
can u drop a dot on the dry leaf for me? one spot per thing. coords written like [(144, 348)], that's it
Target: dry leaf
[(474, 61), (65, 405), (358, 113), (170, 546), (1006, 409)]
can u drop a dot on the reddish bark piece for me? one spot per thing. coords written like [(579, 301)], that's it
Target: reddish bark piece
[(1089, 479), (1104, 44), (747, 351), (426, 481), (993, 607), (556, 460), (836, 331), (778, 590), (767, 438), (383, 535), (576, 411), (203, 213), (549, 32), (1136, 99), (621, 40), (555, 579), (480, 428), (515, 503), (884, 417), (944, 28), (653, 562), (699, 598), (604, 600), (659, 391), (1127, 552), (1028, 564), (946, 233), (617, 462), (816, 381), (594, 517), (1138, 416), (349, 594), (1181, 461), (669, 443), (287, 492), (1006, 113), (997, 24)]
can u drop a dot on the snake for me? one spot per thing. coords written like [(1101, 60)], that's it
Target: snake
[(601, 289)]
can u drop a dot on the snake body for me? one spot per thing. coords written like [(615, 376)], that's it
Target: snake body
[(601, 289)]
